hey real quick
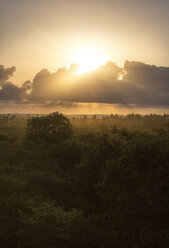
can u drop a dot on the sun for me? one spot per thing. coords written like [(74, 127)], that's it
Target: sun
[(88, 58)]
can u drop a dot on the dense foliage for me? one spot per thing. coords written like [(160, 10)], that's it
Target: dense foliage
[(68, 185)]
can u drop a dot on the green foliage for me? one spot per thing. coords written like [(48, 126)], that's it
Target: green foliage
[(101, 188), (52, 225)]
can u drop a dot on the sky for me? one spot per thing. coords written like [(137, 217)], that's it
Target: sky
[(48, 34)]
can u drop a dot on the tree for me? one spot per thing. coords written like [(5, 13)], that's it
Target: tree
[(51, 128)]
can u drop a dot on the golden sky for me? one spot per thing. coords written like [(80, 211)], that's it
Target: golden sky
[(42, 41), (39, 34)]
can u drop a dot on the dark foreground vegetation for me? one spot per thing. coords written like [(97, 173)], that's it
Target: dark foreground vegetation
[(98, 182)]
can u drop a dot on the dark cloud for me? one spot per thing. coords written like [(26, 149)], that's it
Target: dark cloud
[(136, 84), (149, 76), (151, 81), (5, 74), (10, 91)]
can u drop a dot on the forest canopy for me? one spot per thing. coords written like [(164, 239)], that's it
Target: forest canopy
[(84, 182)]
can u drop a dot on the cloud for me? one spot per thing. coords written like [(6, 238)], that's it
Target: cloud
[(151, 82), (141, 84), (66, 85), (135, 84), (10, 91), (5, 74)]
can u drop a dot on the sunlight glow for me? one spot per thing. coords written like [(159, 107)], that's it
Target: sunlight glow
[(88, 59)]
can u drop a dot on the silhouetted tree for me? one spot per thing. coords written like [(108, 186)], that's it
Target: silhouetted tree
[(49, 128)]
